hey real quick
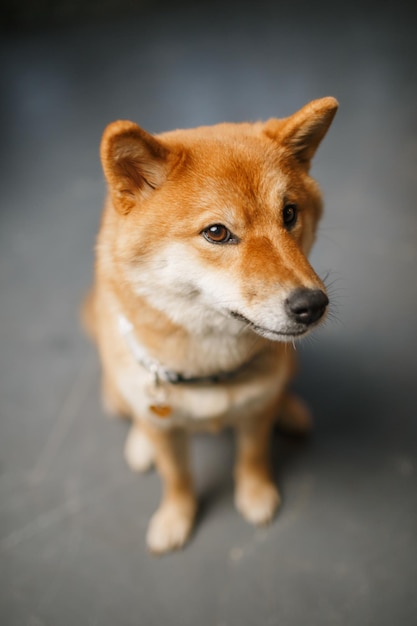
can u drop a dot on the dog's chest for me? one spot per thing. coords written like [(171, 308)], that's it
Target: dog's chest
[(197, 405)]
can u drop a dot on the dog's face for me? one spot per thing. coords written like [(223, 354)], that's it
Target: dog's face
[(213, 225)]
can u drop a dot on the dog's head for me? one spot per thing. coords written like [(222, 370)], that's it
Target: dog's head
[(215, 223)]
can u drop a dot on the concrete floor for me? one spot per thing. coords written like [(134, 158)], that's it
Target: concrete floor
[(343, 550)]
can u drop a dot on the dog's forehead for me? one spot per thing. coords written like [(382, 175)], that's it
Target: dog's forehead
[(232, 160)]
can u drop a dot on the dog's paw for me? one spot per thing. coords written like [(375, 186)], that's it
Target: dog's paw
[(257, 501), (139, 452), (170, 527)]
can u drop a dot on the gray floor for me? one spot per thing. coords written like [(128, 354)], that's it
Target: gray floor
[(343, 550)]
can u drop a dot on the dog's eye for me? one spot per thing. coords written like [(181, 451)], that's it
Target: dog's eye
[(218, 234), (289, 215)]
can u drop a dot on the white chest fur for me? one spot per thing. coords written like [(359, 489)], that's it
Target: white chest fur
[(195, 405)]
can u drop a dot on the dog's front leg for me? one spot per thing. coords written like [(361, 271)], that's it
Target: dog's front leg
[(256, 496), (172, 523)]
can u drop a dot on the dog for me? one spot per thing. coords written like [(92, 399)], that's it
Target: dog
[(202, 286)]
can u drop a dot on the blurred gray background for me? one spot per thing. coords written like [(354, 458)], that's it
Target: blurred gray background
[(343, 550)]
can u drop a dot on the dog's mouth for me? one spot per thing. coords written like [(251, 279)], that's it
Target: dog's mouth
[(287, 335), (302, 310)]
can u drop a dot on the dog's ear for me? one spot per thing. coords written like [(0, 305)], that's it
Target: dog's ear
[(134, 163), (302, 132)]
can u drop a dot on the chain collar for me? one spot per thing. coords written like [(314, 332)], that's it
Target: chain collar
[(160, 373)]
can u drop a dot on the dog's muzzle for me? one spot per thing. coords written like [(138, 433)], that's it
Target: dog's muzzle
[(303, 309)]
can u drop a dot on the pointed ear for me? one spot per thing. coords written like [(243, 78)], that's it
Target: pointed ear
[(302, 132), (134, 163)]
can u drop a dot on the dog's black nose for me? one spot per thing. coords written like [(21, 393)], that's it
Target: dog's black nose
[(306, 306)]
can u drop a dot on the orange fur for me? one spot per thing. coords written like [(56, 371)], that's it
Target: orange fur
[(201, 308)]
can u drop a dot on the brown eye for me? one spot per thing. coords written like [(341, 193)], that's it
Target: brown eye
[(218, 234), (289, 215)]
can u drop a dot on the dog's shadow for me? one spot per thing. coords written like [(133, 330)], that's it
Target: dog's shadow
[(213, 465), (326, 386)]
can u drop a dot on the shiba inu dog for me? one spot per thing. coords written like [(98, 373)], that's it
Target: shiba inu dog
[(202, 286)]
